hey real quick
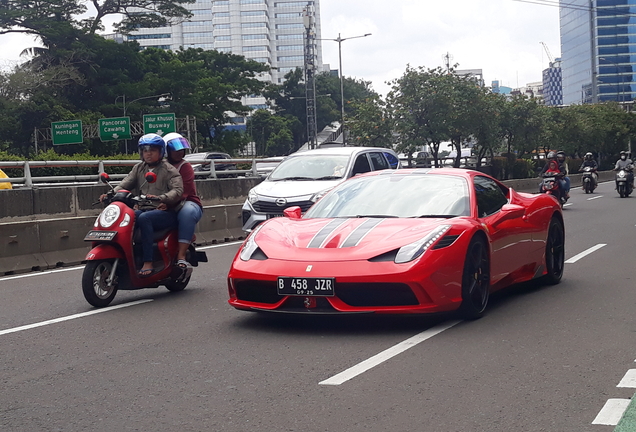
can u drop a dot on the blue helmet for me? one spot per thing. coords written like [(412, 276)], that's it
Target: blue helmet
[(152, 140), (176, 142)]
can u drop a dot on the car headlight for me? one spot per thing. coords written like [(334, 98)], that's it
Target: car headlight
[(250, 246), (315, 197), (109, 215), (411, 251), (252, 197)]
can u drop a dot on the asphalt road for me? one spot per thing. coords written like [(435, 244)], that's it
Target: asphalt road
[(542, 359)]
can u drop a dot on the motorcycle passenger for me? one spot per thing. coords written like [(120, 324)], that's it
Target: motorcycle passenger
[(588, 161), (168, 188), (625, 163), (191, 209), (563, 167)]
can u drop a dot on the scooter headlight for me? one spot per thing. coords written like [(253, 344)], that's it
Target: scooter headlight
[(109, 215), (621, 174)]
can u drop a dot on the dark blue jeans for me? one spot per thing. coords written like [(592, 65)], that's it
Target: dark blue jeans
[(150, 221)]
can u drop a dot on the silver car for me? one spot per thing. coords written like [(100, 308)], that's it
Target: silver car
[(302, 178)]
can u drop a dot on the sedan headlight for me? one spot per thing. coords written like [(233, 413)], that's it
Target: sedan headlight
[(412, 251), (252, 197), (250, 246), (109, 215), (315, 197)]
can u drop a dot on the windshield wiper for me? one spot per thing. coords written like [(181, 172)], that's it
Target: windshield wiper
[(294, 178), (376, 216), (329, 178)]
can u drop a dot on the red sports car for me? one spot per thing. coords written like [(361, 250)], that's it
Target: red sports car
[(404, 241)]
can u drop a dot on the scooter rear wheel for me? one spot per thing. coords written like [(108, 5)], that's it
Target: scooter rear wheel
[(94, 285)]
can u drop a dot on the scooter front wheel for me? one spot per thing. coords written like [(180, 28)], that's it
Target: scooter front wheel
[(95, 283)]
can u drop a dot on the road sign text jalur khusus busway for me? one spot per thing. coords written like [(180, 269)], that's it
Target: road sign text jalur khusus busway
[(160, 124), (67, 132), (116, 128)]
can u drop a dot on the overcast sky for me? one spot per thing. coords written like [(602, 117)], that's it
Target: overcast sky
[(501, 37)]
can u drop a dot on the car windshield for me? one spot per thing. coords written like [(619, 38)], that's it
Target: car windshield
[(311, 167), (405, 196)]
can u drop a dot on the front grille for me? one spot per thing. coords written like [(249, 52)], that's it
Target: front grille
[(272, 207), (375, 294)]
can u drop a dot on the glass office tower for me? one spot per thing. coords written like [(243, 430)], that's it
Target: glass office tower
[(598, 49)]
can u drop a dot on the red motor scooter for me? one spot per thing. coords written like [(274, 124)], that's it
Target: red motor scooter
[(115, 258), (550, 183)]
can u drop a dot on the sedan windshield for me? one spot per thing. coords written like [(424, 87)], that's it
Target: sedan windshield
[(311, 167), (405, 196)]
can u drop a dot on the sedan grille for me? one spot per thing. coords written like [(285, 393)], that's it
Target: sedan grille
[(271, 207)]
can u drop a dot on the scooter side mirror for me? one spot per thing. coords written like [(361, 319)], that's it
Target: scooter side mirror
[(294, 212), (104, 177), (150, 177)]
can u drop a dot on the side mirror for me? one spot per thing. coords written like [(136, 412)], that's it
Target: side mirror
[(104, 177), (293, 212), (511, 211), (150, 177)]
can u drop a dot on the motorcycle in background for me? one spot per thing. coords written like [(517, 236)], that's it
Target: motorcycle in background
[(588, 182), (624, 181), (115, 258), (550, 183)]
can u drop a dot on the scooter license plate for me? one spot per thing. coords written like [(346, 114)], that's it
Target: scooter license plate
[(100, 235), (320, 287)]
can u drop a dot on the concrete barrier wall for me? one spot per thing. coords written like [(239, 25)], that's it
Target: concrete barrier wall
[(43, 228)]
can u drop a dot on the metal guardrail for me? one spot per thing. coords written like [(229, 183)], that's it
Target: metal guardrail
[(28, 180)]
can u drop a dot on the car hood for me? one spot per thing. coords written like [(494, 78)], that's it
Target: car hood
[(346, 239), (293, 188)]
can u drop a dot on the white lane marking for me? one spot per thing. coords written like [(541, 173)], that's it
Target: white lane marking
[(596, 197), (612, 412), (567, 205), (629, 380), (70, 317), (585, 253), (41, 273), (82, 266), (387, 354)]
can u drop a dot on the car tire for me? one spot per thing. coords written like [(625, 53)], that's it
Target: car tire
[(475, 280), (555, 252)]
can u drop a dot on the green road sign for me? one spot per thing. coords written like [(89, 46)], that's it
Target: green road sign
[(67, 132), (112, 129), (160, 124)]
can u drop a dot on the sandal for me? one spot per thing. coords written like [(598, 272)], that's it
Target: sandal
[(146, 272), (183, 264)]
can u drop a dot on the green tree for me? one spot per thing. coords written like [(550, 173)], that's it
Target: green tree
[(371, 125)]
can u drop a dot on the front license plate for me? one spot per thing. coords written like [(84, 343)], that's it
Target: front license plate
[(100, 235), (274, 215), (322, 287)]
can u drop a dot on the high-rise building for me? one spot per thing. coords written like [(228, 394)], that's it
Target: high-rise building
[(268, 31), (552, 84), (598, 50)]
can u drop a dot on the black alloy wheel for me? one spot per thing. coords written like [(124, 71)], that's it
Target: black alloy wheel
[(475, 280), (555, 252)]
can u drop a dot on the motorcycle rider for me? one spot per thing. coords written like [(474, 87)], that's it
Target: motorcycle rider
[(625, 163), (588, 161), (168, 188), (191, 209), (563, 167), (552, 164)]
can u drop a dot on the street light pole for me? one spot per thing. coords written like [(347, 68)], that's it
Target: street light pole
[(342, 101)]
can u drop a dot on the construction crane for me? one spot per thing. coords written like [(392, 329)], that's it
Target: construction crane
[(547, 51)]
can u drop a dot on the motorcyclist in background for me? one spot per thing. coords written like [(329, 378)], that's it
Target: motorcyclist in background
[(588, 161), (563, 167), (625, 163), (552, 157)]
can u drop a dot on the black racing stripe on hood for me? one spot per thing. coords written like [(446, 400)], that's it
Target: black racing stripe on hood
[(324, 233), (358, 234)]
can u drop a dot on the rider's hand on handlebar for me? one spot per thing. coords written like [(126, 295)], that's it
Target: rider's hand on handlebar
[(102, 197)]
